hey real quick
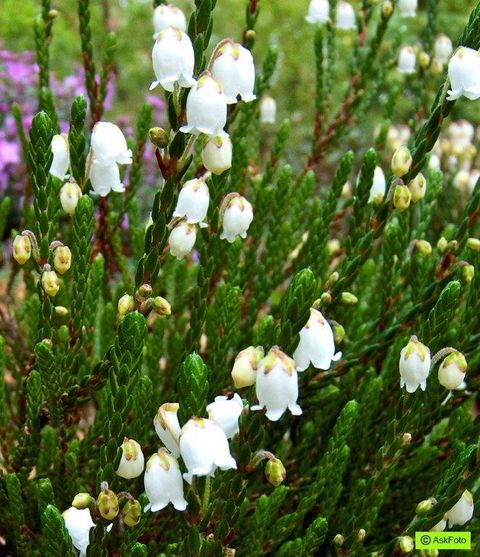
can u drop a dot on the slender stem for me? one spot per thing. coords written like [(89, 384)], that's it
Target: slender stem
[(441, 354), (188, 147), (206, 496)]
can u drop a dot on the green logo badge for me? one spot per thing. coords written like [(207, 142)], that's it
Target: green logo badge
[(443, 540)]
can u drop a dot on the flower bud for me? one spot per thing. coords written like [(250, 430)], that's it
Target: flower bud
[(452, 370), (275, 472), (339, 540), (131, 512), (62, 259), (442, 244), (326, 298), (69, 196), (418, 187), (406, 439), (159, 137), (61, 311), (436, 67), (387, 9), (349, 298), (244, 370), (217, 154), (424, 60), (132, 461), (424, 247), (361, 534), (161, 306), (125, 304), (464, 74), (167, 426), (406, 544), (268, 110), (468, 272), (345, 16), (401, 198), (414, 365), (107, 504), (82, 500), (473, 243), (401, 161), (338, 333), (50, 282), (424, 507), (22, 249)]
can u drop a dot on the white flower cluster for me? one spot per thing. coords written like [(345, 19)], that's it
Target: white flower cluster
[(459, 514)]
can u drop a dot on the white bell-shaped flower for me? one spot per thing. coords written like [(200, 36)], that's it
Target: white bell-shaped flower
[(61, 156), (105, 178), (237, 217), (377, 191), (173, 59), (277, 385), (442, 48), (464, 74), (226, 412), (345, 16), (182, 239), (318, 11), (317, 345), (462, 511), (217, 154), (132, 461), (414, 365), (165, 16), (452, 370), (167, 426), (407, 8), (78, 522), (434, 162), (109, 144), (268, 110), (193, 202), (244, 372), (461, 134), (206, 108), (406, 60), (163, 482), (440, 525), (204, 448), (70, 194), (234, 69)]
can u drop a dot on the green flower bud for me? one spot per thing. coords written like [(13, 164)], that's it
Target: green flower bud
[(326, 298), (473, 243), (161, 306), (159, 137), (436, 67), (244, 372), (452, 370), (107, 504), (387, 9), (144, 291), (442, 244), (50, 282), (418, 187), (125, 304), (338, 333), (349, 298), (401, 198), (22, 249), (62, 259), (406, 544), (424, 507), (401, 161), (468, 272), (339, 540), (424, 247), (424, 60), (61, 311), (82, 500), (275, 472), (131, 512)]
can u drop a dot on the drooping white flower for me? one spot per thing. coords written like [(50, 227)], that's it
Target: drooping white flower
[(237, 217), (167, 426), (406, 60), (460, 180), (234, 69), (345, 16), (182, 239), (462, 511), (268, 110), (408, 8), (173, 59), (434, 163), (206, 108), (105, 178), (204, 448), (377, 191), (317, 345), (440, 525), (78, 522), (61, 156), (193, 202), (318, 11), (132, 461), (163, 482), (452, 370), (226, 412), (277, 385), (217, 154), (414, 365), (69, 197), (464, 74), (244, 372), (461, 134), (442, 48), (109, 145), (165, 16)]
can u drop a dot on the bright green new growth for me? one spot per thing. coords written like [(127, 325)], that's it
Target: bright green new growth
[(345, 477)]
